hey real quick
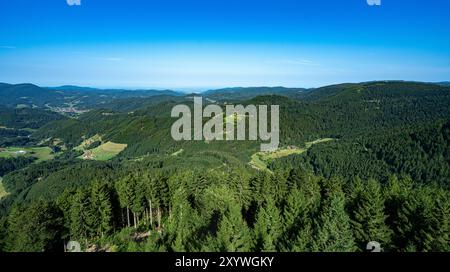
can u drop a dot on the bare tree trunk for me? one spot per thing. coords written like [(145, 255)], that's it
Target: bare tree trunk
[(151, 213), (159, 217), (128, 217), (121, 217), (134, 219)]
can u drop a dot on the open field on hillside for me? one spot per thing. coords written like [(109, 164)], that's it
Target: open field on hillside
[(103, 152), (42, 153), (260, 160)]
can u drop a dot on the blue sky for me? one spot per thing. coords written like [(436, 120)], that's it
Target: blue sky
[(199, 44)]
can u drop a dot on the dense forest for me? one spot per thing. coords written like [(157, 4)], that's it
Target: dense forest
[(382, 176), (190, 211)]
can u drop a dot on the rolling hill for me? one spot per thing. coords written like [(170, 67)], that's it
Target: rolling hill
[(335, 140), (29, 95)]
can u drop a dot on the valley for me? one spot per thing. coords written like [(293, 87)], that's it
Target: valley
[(107, 175)]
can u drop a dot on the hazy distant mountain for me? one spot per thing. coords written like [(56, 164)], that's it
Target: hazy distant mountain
[(444, 83), (29, 95), (386, 89), (120, 93), (241, 93)]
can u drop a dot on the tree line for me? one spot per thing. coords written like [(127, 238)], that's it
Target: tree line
[(291, 210)]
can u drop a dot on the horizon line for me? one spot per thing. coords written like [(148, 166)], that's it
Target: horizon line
[(188, 90)]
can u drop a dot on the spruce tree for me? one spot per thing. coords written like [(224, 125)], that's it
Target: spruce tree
[(268, 227), (80, 217), (439, 221), (101, 208), (333, 231), (233, 234), (125, 192), (37, 228), (368, 217), (297, 224)]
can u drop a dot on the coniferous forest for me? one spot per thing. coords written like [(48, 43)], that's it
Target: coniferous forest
[(356, 163)]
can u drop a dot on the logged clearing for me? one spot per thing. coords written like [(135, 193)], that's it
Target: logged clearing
[(318, 141), (41, 153), (87, 142), (178, 152), (260, 160), (103, 152)]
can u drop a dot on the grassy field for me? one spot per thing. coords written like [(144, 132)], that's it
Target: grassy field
[(103, 152), (2, 190), (42, 153), (260, 160)]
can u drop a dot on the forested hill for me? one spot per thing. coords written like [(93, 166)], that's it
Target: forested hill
[(344, 112), (374, 90), (357, 163), (29, 95), (240, 93)]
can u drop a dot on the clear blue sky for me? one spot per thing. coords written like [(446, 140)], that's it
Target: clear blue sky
[(217, 43)]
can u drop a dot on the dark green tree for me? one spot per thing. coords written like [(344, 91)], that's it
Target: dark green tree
[(36, 228), (233, 234), (368, 217), (268, 227), (333, 231)]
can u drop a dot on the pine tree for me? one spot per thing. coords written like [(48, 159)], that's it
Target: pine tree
[(368, 218), (3, 233), (36, 229), (268, 227), (406, 222), (101, 208), (439, 221), (297, 224), (80, 216), (333, 232), (125, 189), (353, 190), (138, 199), (182, 225), (14, 230), (430, 231), (240, 187), (309, 186), (233, 234)]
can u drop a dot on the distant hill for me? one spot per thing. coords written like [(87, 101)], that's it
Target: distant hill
[(372, 90), (241, 93), (444, 83), (29, 95), (118, 93), (335, 111)]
